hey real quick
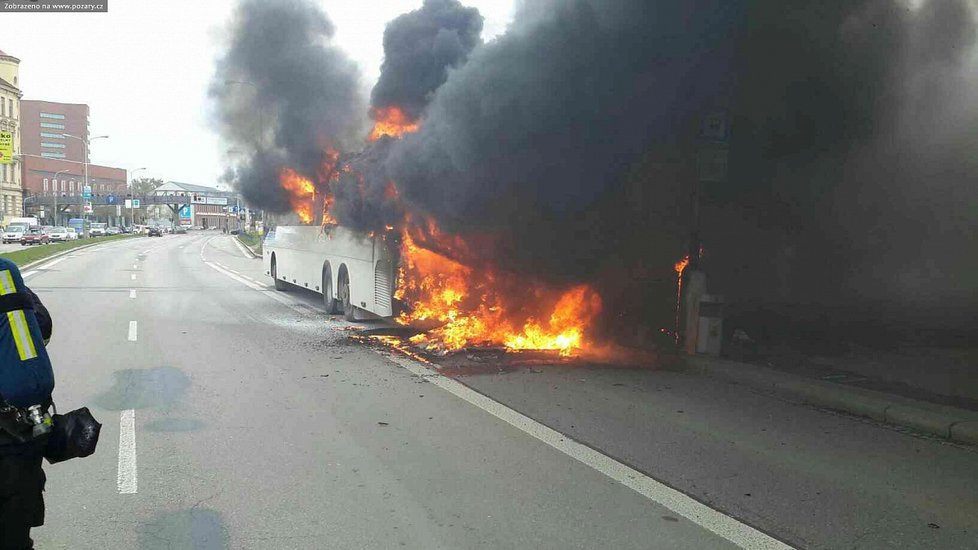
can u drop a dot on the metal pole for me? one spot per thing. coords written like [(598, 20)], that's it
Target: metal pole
[(85, 214)]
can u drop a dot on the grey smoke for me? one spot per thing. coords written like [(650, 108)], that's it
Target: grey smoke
[(420, 47), (301, 96)]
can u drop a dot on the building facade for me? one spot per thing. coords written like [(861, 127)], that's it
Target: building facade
[(44, 123), (11, 192), (46, 178), (202, 206)]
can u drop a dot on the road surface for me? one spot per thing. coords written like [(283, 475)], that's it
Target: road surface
[(238, 417)]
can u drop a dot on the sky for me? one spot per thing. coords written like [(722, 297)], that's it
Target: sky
[(144, 67)]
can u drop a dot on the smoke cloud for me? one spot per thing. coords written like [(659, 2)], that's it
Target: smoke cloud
[(284, 91), (419, 49)]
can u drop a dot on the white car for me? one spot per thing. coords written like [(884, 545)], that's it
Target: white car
[(58, 234), (13, 234), (72, 234)]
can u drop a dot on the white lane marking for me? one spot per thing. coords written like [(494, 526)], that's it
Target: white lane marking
[(132, 331), (241, 247), (134, 266), (127, 480), (133, 277), (234, 276), (45, 266), (132, 292), (725, 526)]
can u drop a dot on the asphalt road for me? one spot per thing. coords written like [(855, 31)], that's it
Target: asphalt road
[(238, 417)]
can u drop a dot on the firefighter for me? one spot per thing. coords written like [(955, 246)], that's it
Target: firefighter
[(26, 383)]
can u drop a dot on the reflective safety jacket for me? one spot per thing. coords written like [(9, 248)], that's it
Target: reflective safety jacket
[(26, 376)]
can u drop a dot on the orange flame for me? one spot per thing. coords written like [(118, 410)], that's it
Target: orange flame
[(301, 192), (391, 121), (474, 309)]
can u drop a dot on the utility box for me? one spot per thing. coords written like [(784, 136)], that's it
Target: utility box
[(710, 327)]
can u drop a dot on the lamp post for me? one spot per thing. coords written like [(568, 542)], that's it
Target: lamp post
[(86, 143), (56, 194), (132, 196)]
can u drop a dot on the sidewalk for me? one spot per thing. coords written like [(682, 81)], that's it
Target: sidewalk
[(899, 389)]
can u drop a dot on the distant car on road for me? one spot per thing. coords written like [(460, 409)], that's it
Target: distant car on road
[(13, 234), (72, 234), (180, 231), (113, 231), (34, 236), (58, 234), (154, 232), (98, 229)]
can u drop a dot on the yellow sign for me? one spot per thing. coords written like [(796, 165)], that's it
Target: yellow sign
[(6, 148)]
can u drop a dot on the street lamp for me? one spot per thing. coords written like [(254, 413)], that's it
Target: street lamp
[(132, 196), (56, 194), (86, 143)]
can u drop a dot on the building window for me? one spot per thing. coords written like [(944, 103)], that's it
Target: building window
[(45, 185), (10, 108), (53, 145), (3, 108), (52, 125), (71, 187), (52, 115), (45, 154), (52, 136)]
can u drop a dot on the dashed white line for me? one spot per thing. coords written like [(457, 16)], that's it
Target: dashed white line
[(132, 331), (134, 266), (132, 292), (132, 277), (127, 480)]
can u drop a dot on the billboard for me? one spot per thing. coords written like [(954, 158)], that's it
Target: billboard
[(6, 147)]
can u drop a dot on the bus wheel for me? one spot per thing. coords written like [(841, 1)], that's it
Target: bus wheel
[(279, 284), (329, 302), (349, 312)]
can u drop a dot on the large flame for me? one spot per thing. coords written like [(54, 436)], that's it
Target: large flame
[(480, 308), (301, 193), (391, 121)]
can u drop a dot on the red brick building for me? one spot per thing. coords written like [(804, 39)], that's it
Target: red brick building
[(43, 123)]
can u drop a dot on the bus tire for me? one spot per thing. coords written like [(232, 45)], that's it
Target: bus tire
[(349, 310), (329, 301), (279, 284)]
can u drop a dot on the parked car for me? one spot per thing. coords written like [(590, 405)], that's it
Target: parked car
[(72, 234), (113, 231), (58, 234), (154, 232), (98, 229), (34, 236), (13, 234), (180, 231)]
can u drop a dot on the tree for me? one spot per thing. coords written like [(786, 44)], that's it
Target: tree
[(145, 186)]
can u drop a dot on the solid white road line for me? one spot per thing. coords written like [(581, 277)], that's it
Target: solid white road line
[(725, 526), (241, 247), (132, 330), (234, 276), (43, 267), (132, 292), (127, 480), (132, 277)]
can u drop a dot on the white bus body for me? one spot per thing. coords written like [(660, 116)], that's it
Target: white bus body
[(352, 271)]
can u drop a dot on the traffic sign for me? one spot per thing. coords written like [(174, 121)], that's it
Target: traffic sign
[(88, 208), (128, 203), (135, 203), (110, 199), (6, 147), (87, 192)]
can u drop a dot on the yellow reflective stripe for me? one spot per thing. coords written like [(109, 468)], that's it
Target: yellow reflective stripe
[(7, 285), (22, 334)]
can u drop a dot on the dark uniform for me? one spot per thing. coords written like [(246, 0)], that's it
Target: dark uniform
[(21, 477)]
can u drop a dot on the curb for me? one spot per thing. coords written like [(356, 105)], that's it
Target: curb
[(250, 250), (60, 254), (952, 423)]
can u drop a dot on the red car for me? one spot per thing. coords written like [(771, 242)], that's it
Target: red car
[(35, 236)]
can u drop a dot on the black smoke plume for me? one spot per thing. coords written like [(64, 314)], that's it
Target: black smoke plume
[(572, 140), (284, 96), (419, 49)]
